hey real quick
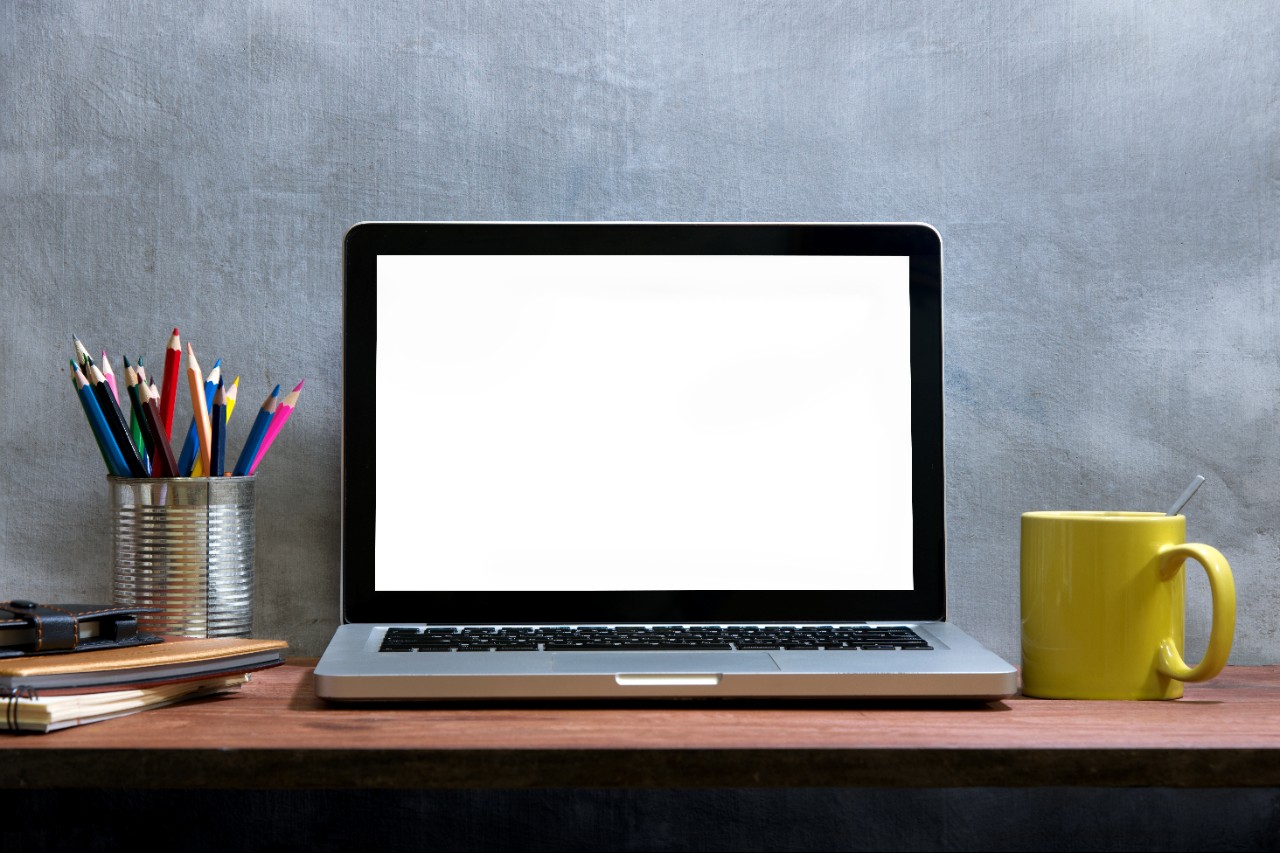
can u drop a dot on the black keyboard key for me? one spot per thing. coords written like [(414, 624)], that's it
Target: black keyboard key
[(635, 637)]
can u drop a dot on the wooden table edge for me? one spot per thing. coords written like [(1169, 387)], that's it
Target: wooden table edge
[(44, 761), (737, 768)]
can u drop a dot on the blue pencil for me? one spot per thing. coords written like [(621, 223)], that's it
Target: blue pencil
[(256, 433), (218, 441), (116, 466), (114, 417), (191, 447)]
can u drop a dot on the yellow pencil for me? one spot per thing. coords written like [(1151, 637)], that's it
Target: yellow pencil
[(232, 393), (195, 380)]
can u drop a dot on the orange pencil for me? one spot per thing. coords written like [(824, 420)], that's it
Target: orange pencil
[(195, 380)]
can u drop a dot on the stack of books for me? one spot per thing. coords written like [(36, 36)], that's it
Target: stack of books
[(43, 693)]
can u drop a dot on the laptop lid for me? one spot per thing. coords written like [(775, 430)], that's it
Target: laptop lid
[(577, 423)]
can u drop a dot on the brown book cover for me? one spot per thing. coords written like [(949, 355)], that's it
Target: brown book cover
[(176, 659)]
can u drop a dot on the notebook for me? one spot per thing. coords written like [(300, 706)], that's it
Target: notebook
[(645, 461)]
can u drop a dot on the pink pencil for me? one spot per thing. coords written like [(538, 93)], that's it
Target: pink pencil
[(110, 375), (283, 411)]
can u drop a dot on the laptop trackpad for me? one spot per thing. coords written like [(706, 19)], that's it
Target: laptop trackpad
[(663, 662)]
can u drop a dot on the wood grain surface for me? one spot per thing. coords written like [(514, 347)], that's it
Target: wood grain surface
[(277, 734)]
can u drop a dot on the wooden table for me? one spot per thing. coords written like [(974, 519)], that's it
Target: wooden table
[(276, 734)]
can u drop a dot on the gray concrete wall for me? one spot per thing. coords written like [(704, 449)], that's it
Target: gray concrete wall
[(1104, 174)]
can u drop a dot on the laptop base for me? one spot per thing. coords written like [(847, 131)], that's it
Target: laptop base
[(958, 667)]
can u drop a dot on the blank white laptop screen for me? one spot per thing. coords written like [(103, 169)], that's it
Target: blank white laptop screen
[(649, 422)]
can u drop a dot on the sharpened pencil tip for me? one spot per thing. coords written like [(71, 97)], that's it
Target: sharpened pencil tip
[(298, 387)]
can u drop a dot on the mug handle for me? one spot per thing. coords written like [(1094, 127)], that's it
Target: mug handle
[(1223, 590)]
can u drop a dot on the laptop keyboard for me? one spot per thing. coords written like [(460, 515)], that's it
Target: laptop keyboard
[(586, 639)]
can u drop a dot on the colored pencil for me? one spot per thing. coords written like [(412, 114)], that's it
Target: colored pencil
[(147, 439), (214, 380), (82, 354), (199, 405), (140, 445), (256, 433), (110, 375), (116, 466), (142, 377), (165, 465), (191, 447), (136, 433), (277, 424), (169, 390), (115, 422), (218, 443), (154, 393), (233, 392), (210, 383)]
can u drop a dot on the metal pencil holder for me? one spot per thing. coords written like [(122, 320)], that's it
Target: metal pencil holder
[(187, 546)]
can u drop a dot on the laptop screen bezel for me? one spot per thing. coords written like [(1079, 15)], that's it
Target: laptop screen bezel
[(363, 603)]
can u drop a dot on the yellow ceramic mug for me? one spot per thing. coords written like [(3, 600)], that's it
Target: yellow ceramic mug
[(1102, 605)]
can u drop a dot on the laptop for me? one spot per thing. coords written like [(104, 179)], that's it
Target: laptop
[(645, 461)]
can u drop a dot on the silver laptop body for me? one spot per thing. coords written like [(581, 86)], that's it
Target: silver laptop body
[(645, 460)]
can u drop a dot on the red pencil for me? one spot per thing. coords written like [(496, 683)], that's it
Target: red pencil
[(169, 388)]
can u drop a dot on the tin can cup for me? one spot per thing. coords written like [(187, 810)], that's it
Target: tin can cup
[(186, 546)]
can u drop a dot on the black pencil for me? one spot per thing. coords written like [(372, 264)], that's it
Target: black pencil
[(218, 442), (116, 423), (132, 385)]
